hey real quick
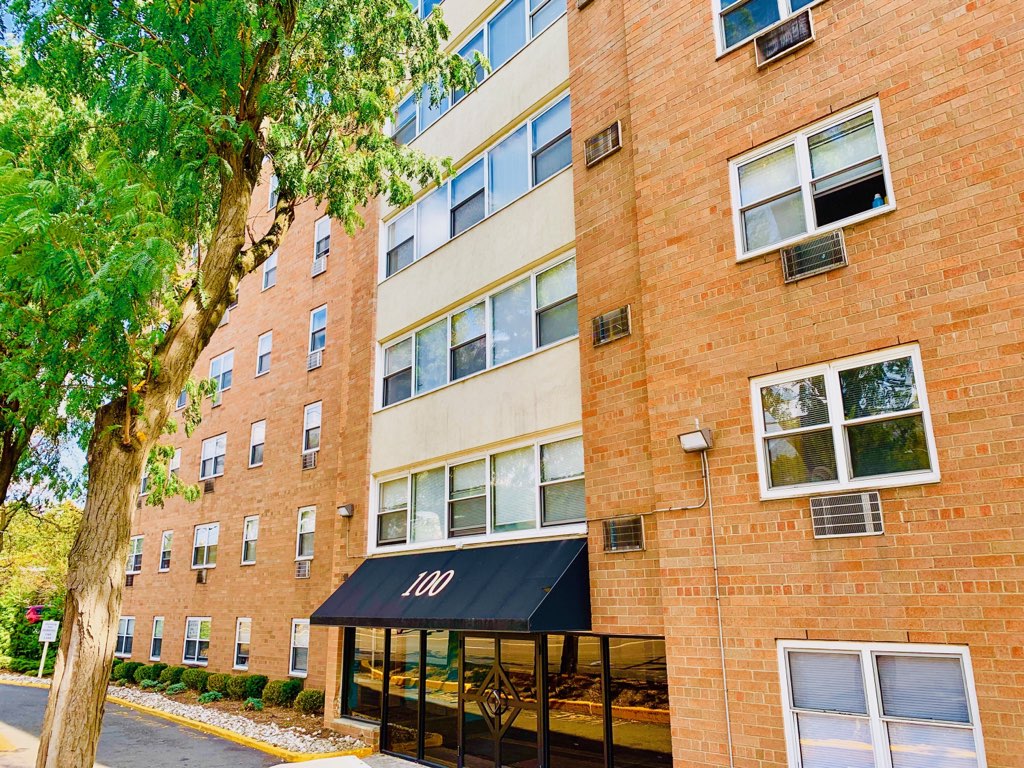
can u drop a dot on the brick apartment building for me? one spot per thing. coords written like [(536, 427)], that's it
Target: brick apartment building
[(800, 226)]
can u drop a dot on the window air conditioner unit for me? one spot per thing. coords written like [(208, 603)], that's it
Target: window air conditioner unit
[(847, 514), (319, 265), (624, 534), (813, 256), (309, 460), (302, 569), (603, 143), (315, 360), (129, 580), (201, 576), (208, 485), (784, 38), (611, 326)]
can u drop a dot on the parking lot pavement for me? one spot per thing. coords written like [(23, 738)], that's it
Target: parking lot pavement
[(130, 739)]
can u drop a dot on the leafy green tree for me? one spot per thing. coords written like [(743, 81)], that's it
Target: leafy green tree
[(195, 94)]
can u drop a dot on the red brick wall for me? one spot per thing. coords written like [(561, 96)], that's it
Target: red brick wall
[(943, 270)]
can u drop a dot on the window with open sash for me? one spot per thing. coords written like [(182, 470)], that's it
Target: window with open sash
[(298, 664), (250, 535), (741, 20), (880, 705), (165, 550), (468, 341), (318, 329), (134, 564), (854, 423), (833, 173), (125, 637), (306, 530), (273, 194), (243, 637), (197, 641), (157, 641), (204, 545), (311, 418), (182, 400), (270, 271), (174, 465), (528, 155), (264, 346), (257, 440), (212, 457), (221, 368), (398, 372), (322, 239)]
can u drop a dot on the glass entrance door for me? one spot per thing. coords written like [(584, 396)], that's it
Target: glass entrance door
[(499, 703)]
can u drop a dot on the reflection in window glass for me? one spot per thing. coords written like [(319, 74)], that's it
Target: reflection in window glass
[(512, 333), (468, 52), (556, 303), (507, 33), (575, 715), (641, 736), (364, 673), (432, 356), (441, 705), (403, 692), (508, 170), (561, 475), (428, 505), (432, 220), (552, 142), (514, 483)]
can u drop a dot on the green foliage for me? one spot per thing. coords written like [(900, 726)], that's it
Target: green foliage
[(310, 702), (237, 685), (195, 679), (119, 672), (210, 696), (149, 683), (145, 672), (218, 682), (253, 704), (172, 675), (130, 668), (254, 685), (281, 693), (19, 637), (175, 689)]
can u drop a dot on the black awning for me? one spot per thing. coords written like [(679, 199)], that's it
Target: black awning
[(541, 586)]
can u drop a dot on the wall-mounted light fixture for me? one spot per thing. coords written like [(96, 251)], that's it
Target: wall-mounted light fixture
[(345, 510), (697, 441)]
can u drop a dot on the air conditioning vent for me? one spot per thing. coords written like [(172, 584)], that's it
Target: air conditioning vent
[(814, 256), (611, 326), (129, 580), (302, 569), (848, 514), (784, 38), (315, 360), (309, 460), (201, 576), (208, 486), (603, 143), (319, 265), (624, 534)]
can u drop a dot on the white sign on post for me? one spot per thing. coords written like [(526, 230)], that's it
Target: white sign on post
[(47, 634)]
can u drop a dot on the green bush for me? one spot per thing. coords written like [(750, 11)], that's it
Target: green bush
[(218, 682), (158, 670), (281, 693), (120, 671), (195, 679), (254, 685), (210, 696), (253, 704), (130, 668), (175, 689), (31, 666), (145, 672), (310, 702), (19, 637), (236, 686), (149, 683), (171, 675)]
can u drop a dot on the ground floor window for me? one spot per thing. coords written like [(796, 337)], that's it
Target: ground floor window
[(876, 705), (125, 636), (197, 640), (298, 664), (563, 701), (156, 645)]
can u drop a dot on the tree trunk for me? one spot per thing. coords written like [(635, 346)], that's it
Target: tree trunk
[(96, 571)]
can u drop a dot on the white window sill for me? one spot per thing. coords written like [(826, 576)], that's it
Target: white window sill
[(163, 570), (261, 373), (301, 675), (132, 573), (122, 655), (305, 559), (549, 532), (154, 658), (255, 466), (203, 567), (807, 490), (248, 562), (237, 668), (195, 663), (210, 477), (863, 216)]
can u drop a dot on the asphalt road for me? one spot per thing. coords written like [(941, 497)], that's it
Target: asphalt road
[(130, 739)]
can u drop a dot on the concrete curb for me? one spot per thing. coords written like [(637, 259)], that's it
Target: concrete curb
[(284, 754)]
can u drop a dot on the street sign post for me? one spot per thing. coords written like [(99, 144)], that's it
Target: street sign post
[(47, 635)]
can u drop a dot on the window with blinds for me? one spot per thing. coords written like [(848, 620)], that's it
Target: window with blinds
[(880, 705)]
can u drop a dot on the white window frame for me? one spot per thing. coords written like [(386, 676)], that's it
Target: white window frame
[(174, 465), (268, 339), (292, 672), (226, 361), (238, 629), (309, 512), (447, 540), (718, 13), (320, 223), (487, 298), (166, 544), (195, 662), (144, 484), (269, 272), (129, 624), (273, 192), (260, 425), (868, 651), (246, 538), (182, 400), (798, 139), (418, 254), (307, 411), (211, 454), (134, 562), (153, 637), (313, 329), (208, 527), (481, 29), (845, 482)]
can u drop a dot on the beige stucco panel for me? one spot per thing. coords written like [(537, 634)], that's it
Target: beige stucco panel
[(537, 226), (537, 394)]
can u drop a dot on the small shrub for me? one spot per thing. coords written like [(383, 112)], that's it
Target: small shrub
[(149, 683), (162, 686), (113, 667), (120, 672), (210, 696), (130, 668), (195, 679), (158, 669), (237, 686), (310, 702), (171, 675), (281, 693), (218, 682), (145, 672), (253, 704), (175, 689), (254, 685)]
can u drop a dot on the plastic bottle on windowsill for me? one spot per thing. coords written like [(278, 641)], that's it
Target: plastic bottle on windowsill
[(877, 202)]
